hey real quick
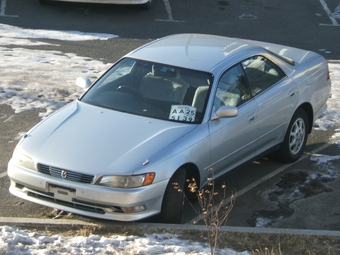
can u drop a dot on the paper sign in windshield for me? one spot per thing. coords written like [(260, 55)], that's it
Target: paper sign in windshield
[(182, 113)]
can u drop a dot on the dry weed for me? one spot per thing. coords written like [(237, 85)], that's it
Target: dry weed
[(212, 209)]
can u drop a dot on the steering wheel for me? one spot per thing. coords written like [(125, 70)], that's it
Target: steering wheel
[(131, 91)]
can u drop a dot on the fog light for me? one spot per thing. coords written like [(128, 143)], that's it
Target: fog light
[(134, 209)]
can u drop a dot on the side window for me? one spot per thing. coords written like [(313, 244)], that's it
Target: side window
[(232, 88), (261, 73)]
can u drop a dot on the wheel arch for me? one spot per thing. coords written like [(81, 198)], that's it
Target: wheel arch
[(192, 171), (307, 107), (146, 6)]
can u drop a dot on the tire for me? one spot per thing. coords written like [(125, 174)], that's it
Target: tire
[(46, 2), (190, 196), (173, 200), (295, 139), (147, 5)]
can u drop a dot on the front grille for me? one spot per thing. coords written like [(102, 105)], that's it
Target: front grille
[(49, 198), (75, 203), (68, 175)]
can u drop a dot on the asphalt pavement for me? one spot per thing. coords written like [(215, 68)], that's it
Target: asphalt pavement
[(285, 199), (304, 196)]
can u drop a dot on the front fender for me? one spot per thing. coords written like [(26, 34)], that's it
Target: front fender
[(193, 148)]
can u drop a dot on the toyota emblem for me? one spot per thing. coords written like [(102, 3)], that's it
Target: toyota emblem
[(63, 174)]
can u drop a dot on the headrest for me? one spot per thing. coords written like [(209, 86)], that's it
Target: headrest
[(163, 71)]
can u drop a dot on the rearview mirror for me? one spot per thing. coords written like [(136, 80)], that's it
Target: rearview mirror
[(83, 82), (225, 111)]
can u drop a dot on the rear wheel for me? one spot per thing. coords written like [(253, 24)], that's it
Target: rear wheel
[(147, 5), (295, 139), (173, 200)]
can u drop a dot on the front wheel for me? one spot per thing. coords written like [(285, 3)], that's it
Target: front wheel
[(296, 137), (173, 200)]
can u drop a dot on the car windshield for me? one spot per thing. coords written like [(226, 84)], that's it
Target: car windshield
[(152, 89)]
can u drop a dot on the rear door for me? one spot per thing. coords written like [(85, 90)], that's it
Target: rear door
[(276, 96)]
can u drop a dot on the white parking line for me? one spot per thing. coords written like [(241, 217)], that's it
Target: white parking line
[(169, 11), (3, 175), (3, 8), (263, 179), (9, 118), (329, 13), (336, 13)]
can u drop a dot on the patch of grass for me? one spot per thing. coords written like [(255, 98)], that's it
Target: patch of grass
[(254, 243)]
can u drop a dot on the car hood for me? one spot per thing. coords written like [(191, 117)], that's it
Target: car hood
[(94, 140)]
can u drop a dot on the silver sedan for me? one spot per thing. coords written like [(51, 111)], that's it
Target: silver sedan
[(144, 4), (169, 111)]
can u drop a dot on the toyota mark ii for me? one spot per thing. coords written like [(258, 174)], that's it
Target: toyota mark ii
[(169, 111)]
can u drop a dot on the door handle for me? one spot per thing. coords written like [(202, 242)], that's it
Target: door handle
[(252, 118), (292, 92)]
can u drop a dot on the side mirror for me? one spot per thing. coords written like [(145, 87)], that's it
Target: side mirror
[(83, 82), (225, 111)]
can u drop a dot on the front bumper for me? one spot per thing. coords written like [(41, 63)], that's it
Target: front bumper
[(86, 199)]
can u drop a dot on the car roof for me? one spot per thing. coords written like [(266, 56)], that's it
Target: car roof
[(195, 51)]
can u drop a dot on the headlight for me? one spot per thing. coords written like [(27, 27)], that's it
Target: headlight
[(130, 181), (23, 160)]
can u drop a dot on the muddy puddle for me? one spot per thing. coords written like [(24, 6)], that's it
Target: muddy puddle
[(297, 185)]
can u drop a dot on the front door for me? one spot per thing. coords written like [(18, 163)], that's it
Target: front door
[(233, 140)]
